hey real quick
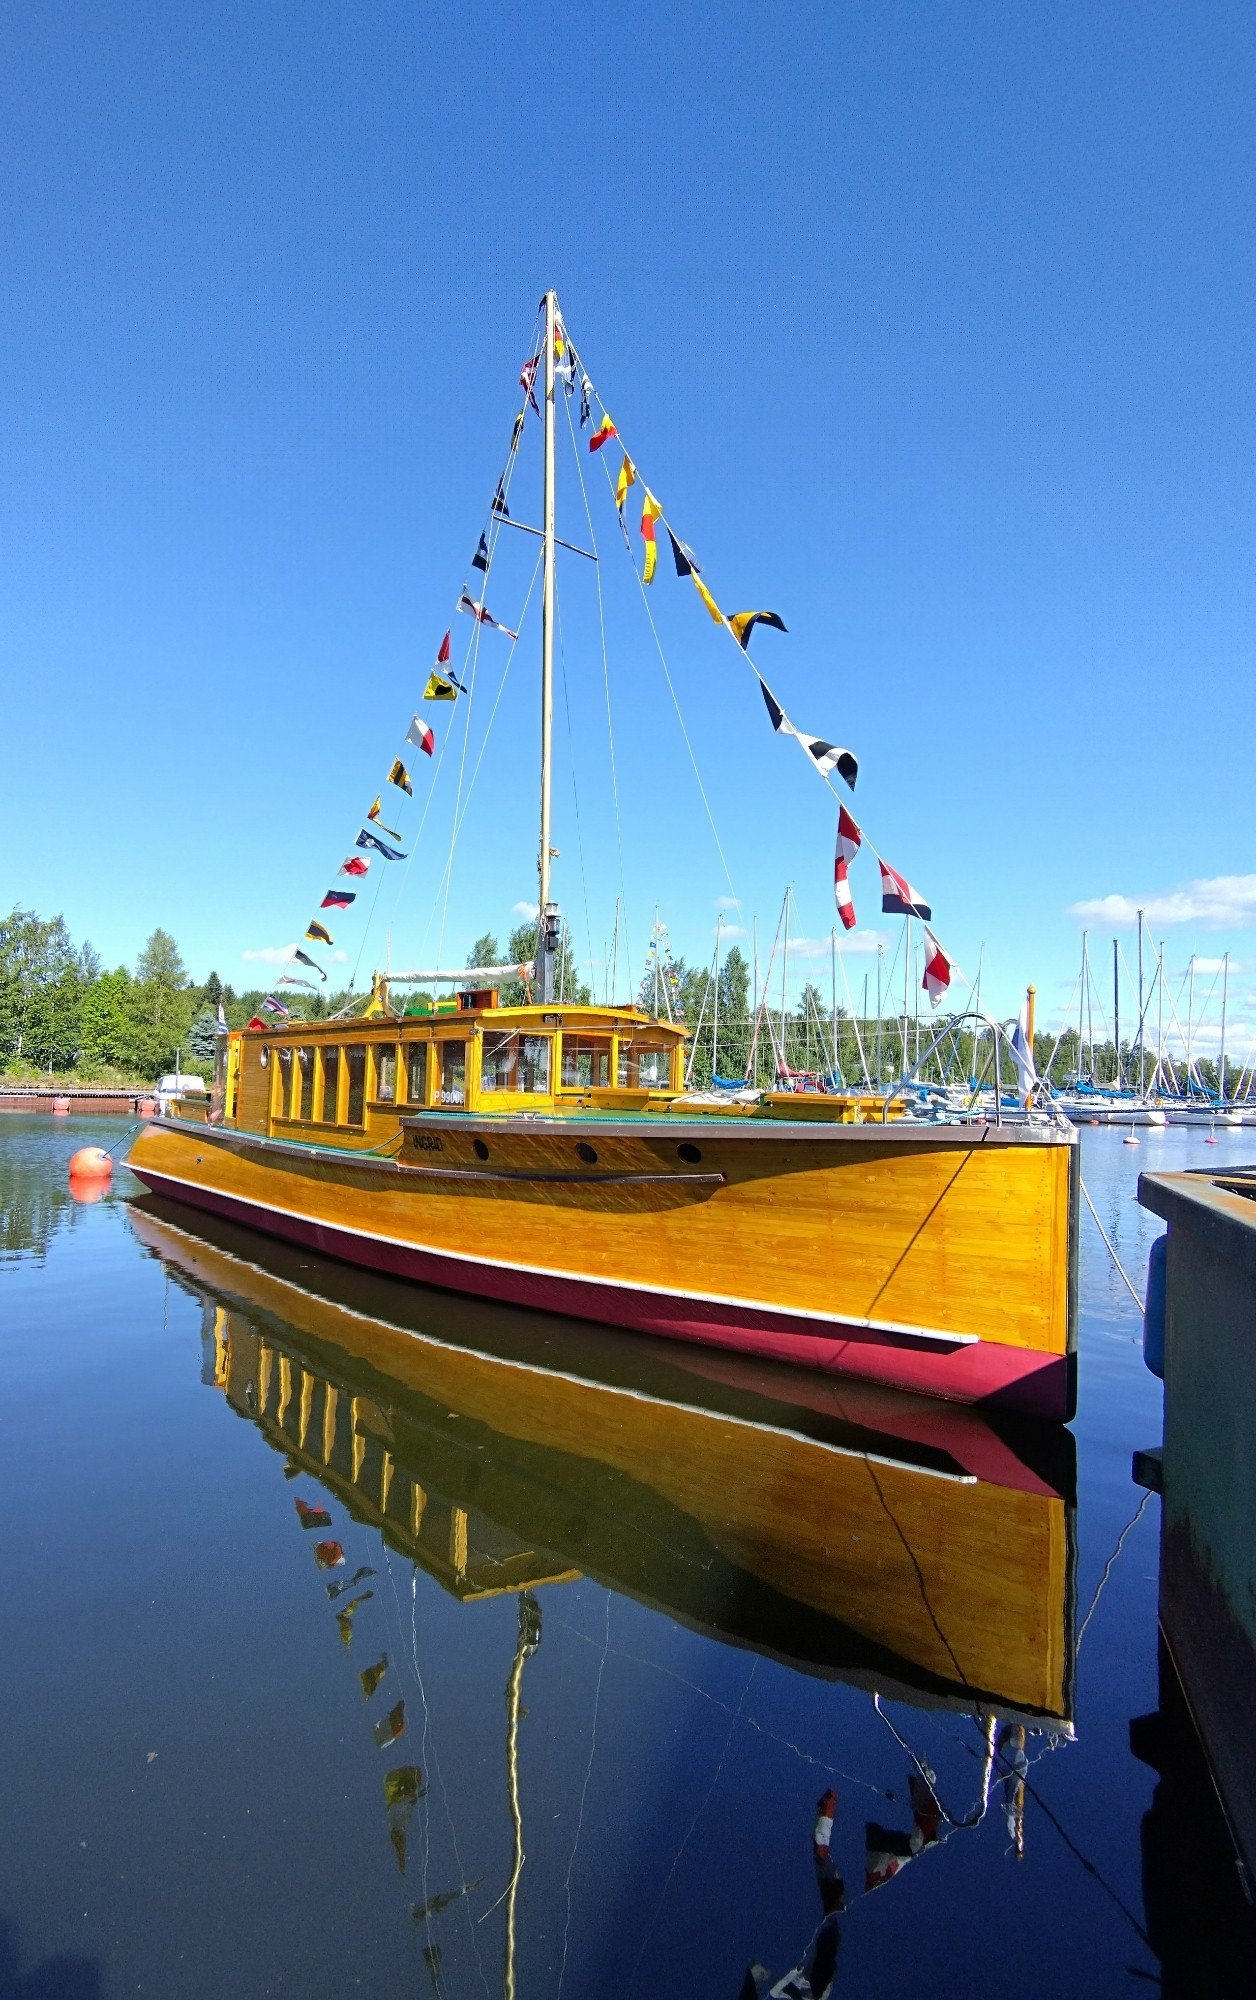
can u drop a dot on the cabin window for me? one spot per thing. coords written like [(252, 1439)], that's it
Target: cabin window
[(355, 1063), (453, 1072), (586, 1065), (331, 1085), (305, 1076), (385, 1076), (416, 1078), (516, 1062), (283, 1088), (643, 1068)]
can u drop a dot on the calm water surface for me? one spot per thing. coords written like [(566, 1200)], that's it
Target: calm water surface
[(541, 1696)]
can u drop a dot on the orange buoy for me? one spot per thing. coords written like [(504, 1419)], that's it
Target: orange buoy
[(85, 1192), (91, 1163)]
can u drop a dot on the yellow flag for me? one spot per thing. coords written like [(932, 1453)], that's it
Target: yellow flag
[(439, 689), (627, 478), (707, 599)]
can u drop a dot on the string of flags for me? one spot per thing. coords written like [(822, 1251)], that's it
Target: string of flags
[(898, 897)]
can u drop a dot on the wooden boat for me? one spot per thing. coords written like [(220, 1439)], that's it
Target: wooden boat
[(902, 1546), (548, 1154)]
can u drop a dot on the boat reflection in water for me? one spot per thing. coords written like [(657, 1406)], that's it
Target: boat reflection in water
[(915, 1550)]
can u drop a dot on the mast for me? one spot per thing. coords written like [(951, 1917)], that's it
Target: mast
[(906, 986), (1225, 981), (1116, 1006), (784, 1057), (1141, 1085), (545, 967), (1160, 1018), (1190, 1019)]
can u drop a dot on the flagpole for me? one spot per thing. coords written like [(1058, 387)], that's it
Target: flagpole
[(547, 646)]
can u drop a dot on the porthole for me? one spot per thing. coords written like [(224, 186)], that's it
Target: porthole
[(689, 1153), (480, 1149), (263, 1057), (585, 1152)]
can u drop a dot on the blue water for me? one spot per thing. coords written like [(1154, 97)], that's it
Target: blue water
[(192, 1796)]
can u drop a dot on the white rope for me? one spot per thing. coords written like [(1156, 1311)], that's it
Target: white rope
[(1111, 1252)]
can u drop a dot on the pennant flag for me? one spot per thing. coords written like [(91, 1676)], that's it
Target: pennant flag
[(481, 616), (273, 1006), (527, 376), (937, 971), (319, 933), (287, 979), (335, 1590), (499, 501), (683, 557), (378, 846), (312, 1517), (516, 432), (374, 814), (707, 598), (603, 434), (338, 899), (303, 958), (328, 1555), (898, 898), (480, 559), (586, 396), (825, 756), (371, 1677), (355, 865), (400, 777), (848, 840), (440, 689), (419, 734), (627, 478), (256, 1022), (391, 1726), (650, 511), (223, 1029), (442, 658), (744, 622), (344, 1619)]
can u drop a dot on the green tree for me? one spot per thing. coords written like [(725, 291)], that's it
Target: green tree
[(203, 1036), (484, 951), (159, 971), (214, 990)]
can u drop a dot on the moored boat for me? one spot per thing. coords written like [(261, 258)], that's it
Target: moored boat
[(546, 1152)]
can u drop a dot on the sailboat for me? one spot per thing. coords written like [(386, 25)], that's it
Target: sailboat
[(547, 1153)]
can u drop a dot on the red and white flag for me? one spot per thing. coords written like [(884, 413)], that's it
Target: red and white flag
[(937, 970), (442, 658), (482, 616), (420, 735), (848, 843), (357, 864)]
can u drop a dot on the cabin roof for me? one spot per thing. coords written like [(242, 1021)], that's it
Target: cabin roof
[(385, 1027)]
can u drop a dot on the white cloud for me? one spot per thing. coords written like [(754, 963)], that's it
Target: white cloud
[(857, 944), (732, 931), (269, 954), (525, 910), (1213, 903), (728, 902)]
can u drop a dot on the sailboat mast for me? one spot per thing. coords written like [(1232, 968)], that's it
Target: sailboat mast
[(1225, 981), (547, 642), (1116, 1007)]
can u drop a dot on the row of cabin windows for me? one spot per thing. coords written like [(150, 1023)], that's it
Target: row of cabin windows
[(332, 1086)]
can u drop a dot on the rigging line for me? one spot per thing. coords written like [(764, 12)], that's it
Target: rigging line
[(1108, 1246), (588, 1773), (929, 1775), (454, 819), (676, 1858), (575, 793), (606, 673), (1133, 1521), (681, 720), (428, 1736), (501, 688)]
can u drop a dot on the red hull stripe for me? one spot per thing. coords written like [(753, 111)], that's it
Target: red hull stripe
[(956, 1368)]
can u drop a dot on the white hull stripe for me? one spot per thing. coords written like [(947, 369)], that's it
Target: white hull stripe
[(847, 1322)]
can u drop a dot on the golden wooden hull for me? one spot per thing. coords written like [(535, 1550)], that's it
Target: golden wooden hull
[(938, 1259), (890, 1565)]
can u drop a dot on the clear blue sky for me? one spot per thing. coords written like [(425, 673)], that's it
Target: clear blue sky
[(931, 327)]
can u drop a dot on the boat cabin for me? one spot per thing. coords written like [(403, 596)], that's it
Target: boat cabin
[(348, 1082)]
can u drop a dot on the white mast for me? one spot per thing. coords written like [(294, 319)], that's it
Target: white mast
[(545, 968), (1225, 981)]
